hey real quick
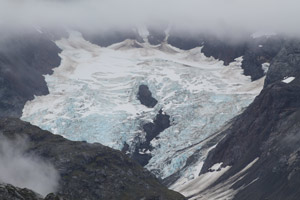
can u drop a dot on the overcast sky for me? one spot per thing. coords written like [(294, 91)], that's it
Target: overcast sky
[(216, 15)]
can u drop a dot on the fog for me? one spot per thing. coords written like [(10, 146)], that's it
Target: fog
[(24, 170), (217, 16)]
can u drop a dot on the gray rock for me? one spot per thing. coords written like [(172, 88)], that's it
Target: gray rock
[(286, 63), (269, 130)]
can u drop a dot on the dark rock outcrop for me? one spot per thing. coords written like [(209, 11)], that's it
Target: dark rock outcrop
[(157, 34), (255, 51), (89, 171), (24, 59), (152, 129), (160, 123), (222, 50), (268, 130), (186, 40), (105, 38), (286, 63), (212, 46), (145, 96), (259, 51)]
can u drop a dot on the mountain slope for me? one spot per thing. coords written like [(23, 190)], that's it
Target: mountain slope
[(88, 171), (259, 157)]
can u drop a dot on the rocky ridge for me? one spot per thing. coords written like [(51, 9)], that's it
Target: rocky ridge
[(88, 171)]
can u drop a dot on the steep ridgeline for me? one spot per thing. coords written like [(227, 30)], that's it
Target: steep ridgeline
[(87, 171), (256, 51), (24, 59), (260, 156)]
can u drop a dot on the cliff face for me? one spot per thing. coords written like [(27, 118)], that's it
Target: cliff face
[(268, 130), (88, 171), (24, 59), (286, 63)]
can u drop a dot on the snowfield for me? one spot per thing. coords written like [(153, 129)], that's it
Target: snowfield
[(93, 98)]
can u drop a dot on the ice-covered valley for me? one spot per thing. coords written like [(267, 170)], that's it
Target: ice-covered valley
[(93, 97)]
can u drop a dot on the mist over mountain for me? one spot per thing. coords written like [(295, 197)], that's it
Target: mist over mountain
[(24, 169), (231, 18)]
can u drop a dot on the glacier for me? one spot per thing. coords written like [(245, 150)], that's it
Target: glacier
[(92, 97)]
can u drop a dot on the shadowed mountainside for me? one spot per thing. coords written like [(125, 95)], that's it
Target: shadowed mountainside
[(268, 130), (24, 59)]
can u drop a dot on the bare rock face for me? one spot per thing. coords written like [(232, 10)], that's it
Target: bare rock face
[(157, 34), (286, 63), (260, 51), (89, 171), (24, 59), (145, 96), (268, 130)]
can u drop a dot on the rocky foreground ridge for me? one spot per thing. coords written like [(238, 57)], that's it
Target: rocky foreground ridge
[(87, 171)]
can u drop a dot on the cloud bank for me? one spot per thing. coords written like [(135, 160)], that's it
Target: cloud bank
[(23, 170), (230, 16)]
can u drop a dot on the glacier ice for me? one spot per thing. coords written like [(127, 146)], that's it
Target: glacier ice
[(93, 98)]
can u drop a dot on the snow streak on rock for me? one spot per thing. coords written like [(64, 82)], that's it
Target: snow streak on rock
[(200, 188), (93, 98)]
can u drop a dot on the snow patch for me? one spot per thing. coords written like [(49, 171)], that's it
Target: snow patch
[(201, 183), (259, 34), (199, 189), (216, 167), (288, 79), (265, 67)]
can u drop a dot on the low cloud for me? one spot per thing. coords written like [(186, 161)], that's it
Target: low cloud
[(217, 16), (23, 170)]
